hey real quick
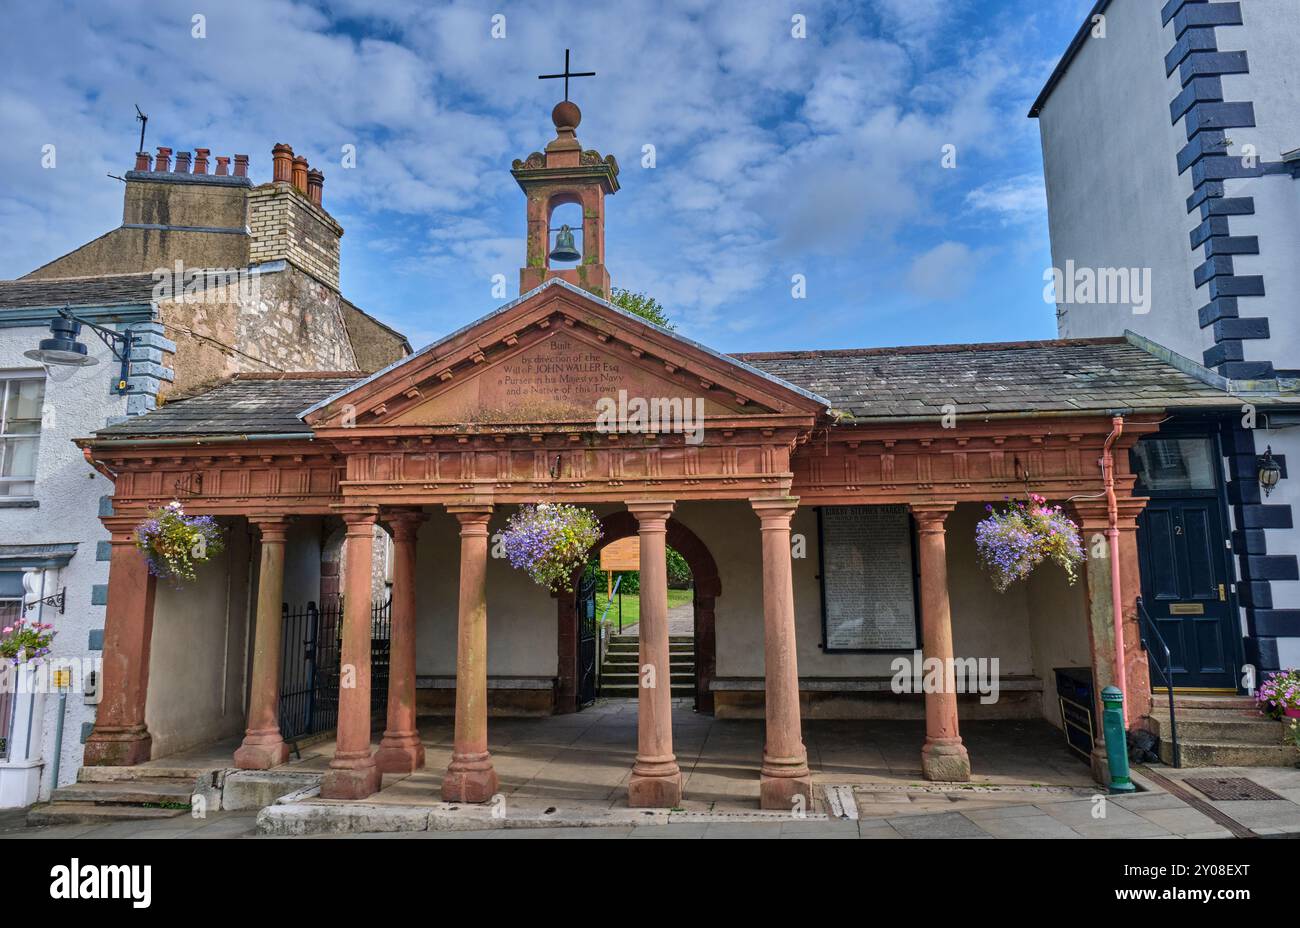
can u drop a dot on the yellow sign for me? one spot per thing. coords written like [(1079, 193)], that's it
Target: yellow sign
[(61, 678), (624, 554), (1186, 609)]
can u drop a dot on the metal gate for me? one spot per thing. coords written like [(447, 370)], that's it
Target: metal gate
[(587, 650), (311, 652)]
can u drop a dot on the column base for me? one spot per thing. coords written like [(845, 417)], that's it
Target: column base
[(781, 779), (655, 790), (260, 752), (945, 760), (470, 778), (357, 780), (118, 748), (400, 753)]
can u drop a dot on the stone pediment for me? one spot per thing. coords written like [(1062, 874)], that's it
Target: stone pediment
[(557, 357)]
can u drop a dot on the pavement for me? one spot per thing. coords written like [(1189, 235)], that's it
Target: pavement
[(566, 776)]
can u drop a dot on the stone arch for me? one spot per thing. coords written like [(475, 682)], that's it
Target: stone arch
[(707, 586)]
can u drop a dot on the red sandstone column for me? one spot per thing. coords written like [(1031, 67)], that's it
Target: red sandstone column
[(944, 756), (470, 776), (785, 771), (656, 780), (400, 751), (263, 746), (352, 773), (120, 738)]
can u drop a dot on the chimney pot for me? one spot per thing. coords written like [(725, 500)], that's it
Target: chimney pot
[(241, 165), (315, 185), (142, 161), (182, 162), (163, 161), (300, 173), (223, 165), (200, 161), (282, 163)]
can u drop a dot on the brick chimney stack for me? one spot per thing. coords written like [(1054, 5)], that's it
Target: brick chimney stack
[(223, 166), (164, 160), (289, 223), (182, 162), (241, 165), (201, 161), (142, 161)]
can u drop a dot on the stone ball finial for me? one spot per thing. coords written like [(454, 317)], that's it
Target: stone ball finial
[(566, 115)]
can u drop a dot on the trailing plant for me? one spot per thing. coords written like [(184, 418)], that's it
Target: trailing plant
[(1013, 540), (25, 642), (550, 541), (175, 544)]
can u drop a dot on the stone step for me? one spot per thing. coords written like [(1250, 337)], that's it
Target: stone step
[(631, 692), (675, 649), (148, 790), (1220, 730), (631, 679), (117, 774), (676, 660), (1203, 754), (672, 638), (1190, 701), (89, 813)]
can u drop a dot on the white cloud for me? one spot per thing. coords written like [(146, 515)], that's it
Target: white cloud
[(1018, 199), (945, 272)]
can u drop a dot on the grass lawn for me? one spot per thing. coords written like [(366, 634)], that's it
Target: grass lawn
[(632, 605)]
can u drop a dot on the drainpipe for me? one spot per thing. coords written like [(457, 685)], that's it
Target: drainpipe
[(1112, 534)]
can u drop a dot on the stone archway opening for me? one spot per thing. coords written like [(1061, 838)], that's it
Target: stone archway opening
[(706, 588)]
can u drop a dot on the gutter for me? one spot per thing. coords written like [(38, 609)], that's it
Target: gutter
[(199, 440)]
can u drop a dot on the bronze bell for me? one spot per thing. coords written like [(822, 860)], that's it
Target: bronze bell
[(565, 249)]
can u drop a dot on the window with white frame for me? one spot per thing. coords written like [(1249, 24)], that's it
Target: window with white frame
[(21, 401)]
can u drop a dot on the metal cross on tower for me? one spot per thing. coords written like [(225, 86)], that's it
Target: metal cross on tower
[(566, 75)]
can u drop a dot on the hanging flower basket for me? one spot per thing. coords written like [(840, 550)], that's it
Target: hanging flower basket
[(175, 544), (24, 642), (551, 541), (1014, 540)]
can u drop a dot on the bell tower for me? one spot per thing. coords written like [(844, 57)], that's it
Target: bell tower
[(564, 173)]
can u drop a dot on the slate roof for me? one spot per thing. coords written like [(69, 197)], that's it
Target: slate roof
[(1081, 375), (107, 290), (1018, 377), (245, 405)]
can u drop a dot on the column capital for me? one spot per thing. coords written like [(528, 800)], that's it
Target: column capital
[(471, 516), (358, 516), (931, 514), (651, 513), (1093, 514), (405, 523), (122, 528), (775, 513), (273, 528)]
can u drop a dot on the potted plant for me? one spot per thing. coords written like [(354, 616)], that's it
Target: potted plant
[(1015, 539), (175, 544), (1279, 695), (551, 541)]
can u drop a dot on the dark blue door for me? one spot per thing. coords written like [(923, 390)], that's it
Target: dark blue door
[(1182, 548)]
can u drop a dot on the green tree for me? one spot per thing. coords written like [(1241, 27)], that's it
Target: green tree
[(643, 305)]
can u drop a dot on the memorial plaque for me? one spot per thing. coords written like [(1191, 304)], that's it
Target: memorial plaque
[(623, 554), (869, 596)]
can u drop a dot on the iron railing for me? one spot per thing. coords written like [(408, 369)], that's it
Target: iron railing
[(604, 629), (311, 652), (1149, 634)]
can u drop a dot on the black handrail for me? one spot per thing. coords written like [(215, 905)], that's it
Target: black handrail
[(1147, 627)]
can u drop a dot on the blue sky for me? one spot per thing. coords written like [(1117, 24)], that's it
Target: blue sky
[(775, 155)]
